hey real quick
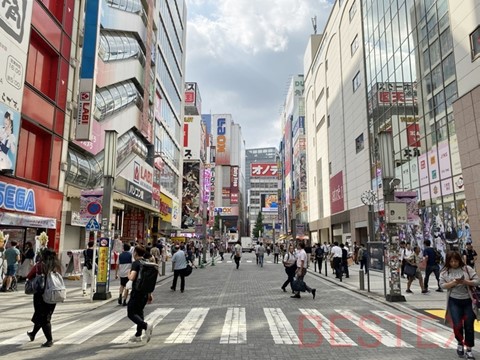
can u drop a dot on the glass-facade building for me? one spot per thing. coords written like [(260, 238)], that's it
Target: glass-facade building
[(411, 84)]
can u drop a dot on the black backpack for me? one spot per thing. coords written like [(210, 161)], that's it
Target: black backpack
[(146, 277), (88, 260)]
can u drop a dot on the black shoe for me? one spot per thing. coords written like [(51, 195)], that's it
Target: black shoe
[(296, 296), (48, 344), (30, 336), (409, 291), (346, 277), (119, 300), (182, 291), (314, 292), (460, 351), (124, 303), (172, 288), (439, 290), (284, 290)]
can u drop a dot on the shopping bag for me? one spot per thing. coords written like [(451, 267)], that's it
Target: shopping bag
[(299, 285), (410, 270)]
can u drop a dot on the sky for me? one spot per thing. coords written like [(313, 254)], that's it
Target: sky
[(243, 53)]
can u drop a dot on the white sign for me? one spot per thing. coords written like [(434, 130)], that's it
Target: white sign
[(139, 173)]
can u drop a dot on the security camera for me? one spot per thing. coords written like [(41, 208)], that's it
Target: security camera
[(394, 183)]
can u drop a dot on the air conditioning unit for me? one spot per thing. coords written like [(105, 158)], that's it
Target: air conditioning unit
[(396, 212)]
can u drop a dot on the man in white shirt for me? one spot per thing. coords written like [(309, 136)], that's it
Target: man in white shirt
[(336, 253), (301, 256), (405, 252)]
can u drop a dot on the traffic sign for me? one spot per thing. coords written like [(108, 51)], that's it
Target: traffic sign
[(94, 208), (92, 225)]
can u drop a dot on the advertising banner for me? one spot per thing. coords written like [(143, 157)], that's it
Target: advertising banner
[(226, 211), (192, 130), (166, 205), (140, 174), (191, 195), (336, 193), (222, 128), (176, 215), (103, 261), (206, 185), (263, 170), (234, 172), (15, 22), (288, 146), (444, 160), (269, 202)]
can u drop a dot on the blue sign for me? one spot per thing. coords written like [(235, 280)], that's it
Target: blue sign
[(92, 225), (13, 197)]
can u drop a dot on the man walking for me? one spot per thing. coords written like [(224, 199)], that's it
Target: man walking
[(336, 254), (12, 255), (125, 261), (261, 254), (179, 260), (302, 270), (432, 265), (237, 250), (87, 267), (319, 254), (276, 253)]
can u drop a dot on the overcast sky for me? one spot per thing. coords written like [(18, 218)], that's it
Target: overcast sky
[(242, 54)]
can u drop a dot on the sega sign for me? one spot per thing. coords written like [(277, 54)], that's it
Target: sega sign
[(17, 198)]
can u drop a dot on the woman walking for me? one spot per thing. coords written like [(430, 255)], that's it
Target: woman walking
[(458, 279), (414, 261), (42, 311)]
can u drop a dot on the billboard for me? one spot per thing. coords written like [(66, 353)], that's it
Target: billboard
[(166, 206), (192, 136), (263, 170), (222, 128), (226, 210), (87, 84), (15, 21), (288, 146), (193, 102), (191, 195), (234, 178), (269, 202), (336, 193)]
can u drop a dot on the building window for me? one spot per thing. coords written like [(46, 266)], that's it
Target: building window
[(475, 43), (353, 10), (359, 143), (354, 45), (357, 80)]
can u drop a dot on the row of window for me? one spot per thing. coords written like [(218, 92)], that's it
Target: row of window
[(117, 45), (166, 19), (114, 98)]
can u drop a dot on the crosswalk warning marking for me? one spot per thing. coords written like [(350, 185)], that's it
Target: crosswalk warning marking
[(367, 324), (188, 328), (249, 261), (23, 338), (235, 327), (152, 319), (421, 332), (280, 328), (327, 328), (94, 328)]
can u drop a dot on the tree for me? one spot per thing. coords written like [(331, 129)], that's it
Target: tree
[(216, 225), (258, 225)]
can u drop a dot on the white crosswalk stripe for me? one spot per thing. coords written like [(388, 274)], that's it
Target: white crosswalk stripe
[(153, 319), (421, 332), (280, 328), (94, 328), (367, 324), (327, 328), (188, 328), (23, 338), (235, 327)]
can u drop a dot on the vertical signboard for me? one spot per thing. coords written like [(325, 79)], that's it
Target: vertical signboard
[(15, 22), (288, 146), (234, 171), (222, 126), (191, 194), (336, 193), (192, 136), (86, 89)]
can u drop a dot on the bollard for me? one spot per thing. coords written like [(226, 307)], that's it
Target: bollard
[(213, 261), (163, 268), (361, 278)]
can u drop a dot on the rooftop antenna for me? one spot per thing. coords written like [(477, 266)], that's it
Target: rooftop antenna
[(314, 24)]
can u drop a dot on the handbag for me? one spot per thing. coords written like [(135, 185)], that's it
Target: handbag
[(188, 270), (299, 285), (36, 285), (410, 270)]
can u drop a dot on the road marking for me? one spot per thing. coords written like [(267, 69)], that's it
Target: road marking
[(415, 328), (94, 328), (327, 328), (152, 319), (381, 335), (249, 261), (280, 327), (188, 328), (23, 338), (235, 327)]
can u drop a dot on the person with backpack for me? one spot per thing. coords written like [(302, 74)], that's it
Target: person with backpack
[(433, 259), (180, 261), (362, 257), (143, 284), (43, 311), (469, 255), (237, 250), (87, 267), (290, 263)]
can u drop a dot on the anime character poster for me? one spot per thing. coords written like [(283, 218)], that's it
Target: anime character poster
[(191, 195), (9, 128)]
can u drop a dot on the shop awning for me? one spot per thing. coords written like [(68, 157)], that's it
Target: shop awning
[(27, 220), (129, 200)]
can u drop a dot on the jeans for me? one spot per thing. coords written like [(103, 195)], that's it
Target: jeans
[(319, 264), (275, 258), (176, 274), (237, 261), (291, 275), (436, 270), (260, 260), (462, 316), (364, 262), (135, 307)]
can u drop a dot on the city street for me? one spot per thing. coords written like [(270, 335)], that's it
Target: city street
[(226, 313)]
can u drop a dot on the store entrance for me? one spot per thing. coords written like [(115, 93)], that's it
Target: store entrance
[(21, 235)]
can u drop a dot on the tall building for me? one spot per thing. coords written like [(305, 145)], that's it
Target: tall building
[(262, 184), (38, 50), (131, 78)]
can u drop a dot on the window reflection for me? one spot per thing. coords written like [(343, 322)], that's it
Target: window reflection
[(114, 98), (119, 45)]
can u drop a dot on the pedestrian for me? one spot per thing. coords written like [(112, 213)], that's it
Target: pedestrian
[(125, 261), (345, 260), (458, 278), (180, 262), (87, 267), (301, 270), (355, 253), (237, 250), (268, 249), (261, 254), (276, 253), (319, 254), (432, 265), (405, 253), (221, 250), (257, 245), (12, 255), (363, 258), (42, 315), (27, 260), (155, 251), (138, 299), (336, 254), (414, 260), (290, 263), (469, 254)]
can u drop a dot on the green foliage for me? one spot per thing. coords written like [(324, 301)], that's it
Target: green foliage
[(258, 225), (216, 225)]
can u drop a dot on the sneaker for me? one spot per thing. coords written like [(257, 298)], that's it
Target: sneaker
[(284, 290), (409, 291), (314, 292), (30, 336), (124, 303), (469, 355), (148, 332), (47, 344), (296, 296), (135, 339), (425, 291), (439, 290), (460, 351)]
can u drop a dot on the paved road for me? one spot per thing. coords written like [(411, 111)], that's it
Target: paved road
[(243, 314)]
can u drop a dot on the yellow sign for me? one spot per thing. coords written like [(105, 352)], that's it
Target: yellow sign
[(102, 264), (166, 205)]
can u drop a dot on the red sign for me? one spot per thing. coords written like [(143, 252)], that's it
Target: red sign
[(263, 170), (413, 135), (234, 198), (336, 193), (189, 96), (185, 135)]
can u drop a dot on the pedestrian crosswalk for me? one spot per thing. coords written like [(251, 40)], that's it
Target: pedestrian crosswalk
[(236, 325)]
